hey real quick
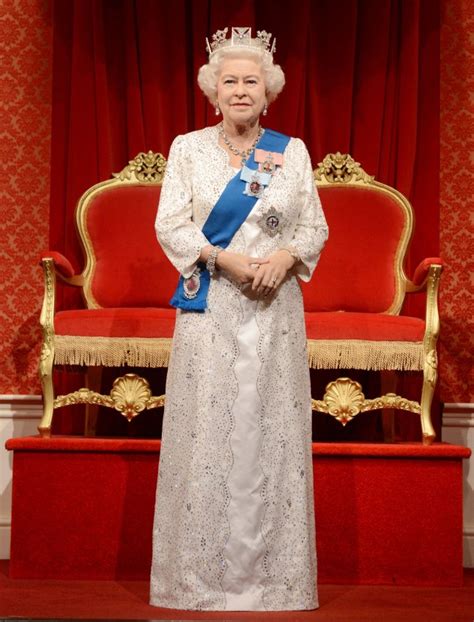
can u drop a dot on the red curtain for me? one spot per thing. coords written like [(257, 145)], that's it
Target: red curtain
[(362, 77)]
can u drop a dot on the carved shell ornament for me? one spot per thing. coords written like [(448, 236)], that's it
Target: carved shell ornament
[(130, 395), (344, 399)]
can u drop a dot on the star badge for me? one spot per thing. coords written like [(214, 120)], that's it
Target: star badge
[(271, 222)]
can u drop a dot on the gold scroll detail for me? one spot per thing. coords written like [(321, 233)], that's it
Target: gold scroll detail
[(432, 367), (46, 361), (47, 316), (130, 395), (341, 168), (344, 399), (145, 167)]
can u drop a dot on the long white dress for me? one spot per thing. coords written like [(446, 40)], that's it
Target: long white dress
[(234, 518)]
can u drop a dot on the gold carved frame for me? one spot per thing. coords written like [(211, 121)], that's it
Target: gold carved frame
[(130, 393), (343, 398), (341, 170), (144, 169)]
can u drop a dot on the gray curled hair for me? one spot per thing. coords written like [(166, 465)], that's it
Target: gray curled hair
[(273, 74)]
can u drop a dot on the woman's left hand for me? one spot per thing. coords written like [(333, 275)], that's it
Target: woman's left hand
[(270, 275)]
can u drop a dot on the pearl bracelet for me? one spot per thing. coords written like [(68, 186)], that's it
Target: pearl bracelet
[(211, 259), (293, 252)]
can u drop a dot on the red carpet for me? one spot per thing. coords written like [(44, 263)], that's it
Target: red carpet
[(386, 514), (128, 600)]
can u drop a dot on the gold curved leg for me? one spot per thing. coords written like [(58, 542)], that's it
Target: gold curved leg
[(430, 376), (430, 367), (47, 350), (46, 377)]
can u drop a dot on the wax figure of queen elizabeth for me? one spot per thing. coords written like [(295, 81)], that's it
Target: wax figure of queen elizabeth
[(240, 219)]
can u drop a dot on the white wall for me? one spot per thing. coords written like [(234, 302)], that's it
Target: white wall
[(458, 429), (19, 416)]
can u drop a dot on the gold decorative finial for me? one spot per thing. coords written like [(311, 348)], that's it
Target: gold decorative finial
[(340, 168), (145, 167)]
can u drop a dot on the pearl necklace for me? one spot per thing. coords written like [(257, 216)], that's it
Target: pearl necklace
[(244, 153)]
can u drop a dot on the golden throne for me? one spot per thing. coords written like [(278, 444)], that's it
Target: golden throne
[(353, 305), (126, 284)]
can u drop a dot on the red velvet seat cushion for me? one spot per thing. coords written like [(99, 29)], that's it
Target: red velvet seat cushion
[(365, 326), (122, 322), (153, 322)]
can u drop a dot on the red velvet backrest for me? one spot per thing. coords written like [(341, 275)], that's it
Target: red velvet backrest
[(356, 271), (131, 270)]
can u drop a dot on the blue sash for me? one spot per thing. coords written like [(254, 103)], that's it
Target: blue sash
[(225, 219)]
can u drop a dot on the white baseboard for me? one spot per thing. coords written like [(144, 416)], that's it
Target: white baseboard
[(5, 539), (458, 415), (19, 416), (21, 407), (468, 548), (458, 428)]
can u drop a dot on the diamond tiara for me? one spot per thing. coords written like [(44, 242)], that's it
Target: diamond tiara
[(241, 37)]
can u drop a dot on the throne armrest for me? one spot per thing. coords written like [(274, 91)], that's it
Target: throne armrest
[(63, 268), (422, 273), (427, 277), (54, 264)]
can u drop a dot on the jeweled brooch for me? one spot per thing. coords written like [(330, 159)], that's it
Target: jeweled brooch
[(256, 182), (192, 284), (271, 222)]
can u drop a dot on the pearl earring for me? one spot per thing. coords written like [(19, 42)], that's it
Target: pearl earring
[(217, 110), (265, 110)]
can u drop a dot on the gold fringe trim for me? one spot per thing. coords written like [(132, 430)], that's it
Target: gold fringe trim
[(371, 355), (155, 352), (112, 351)]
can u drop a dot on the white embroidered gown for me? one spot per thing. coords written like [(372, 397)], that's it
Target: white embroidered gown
[(234, 518)]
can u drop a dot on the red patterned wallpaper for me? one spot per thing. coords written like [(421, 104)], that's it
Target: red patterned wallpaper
[(457, 201), (25, 130), (25, 105)]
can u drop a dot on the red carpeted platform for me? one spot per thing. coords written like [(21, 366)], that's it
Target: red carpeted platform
[(385, 514)]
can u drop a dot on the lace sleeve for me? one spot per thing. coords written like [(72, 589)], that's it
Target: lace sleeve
[(311, 230), (180, 238)]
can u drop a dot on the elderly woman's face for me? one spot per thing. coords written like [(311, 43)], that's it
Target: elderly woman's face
[(241, 90)]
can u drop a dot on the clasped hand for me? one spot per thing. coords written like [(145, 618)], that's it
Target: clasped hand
[(266, 274)]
